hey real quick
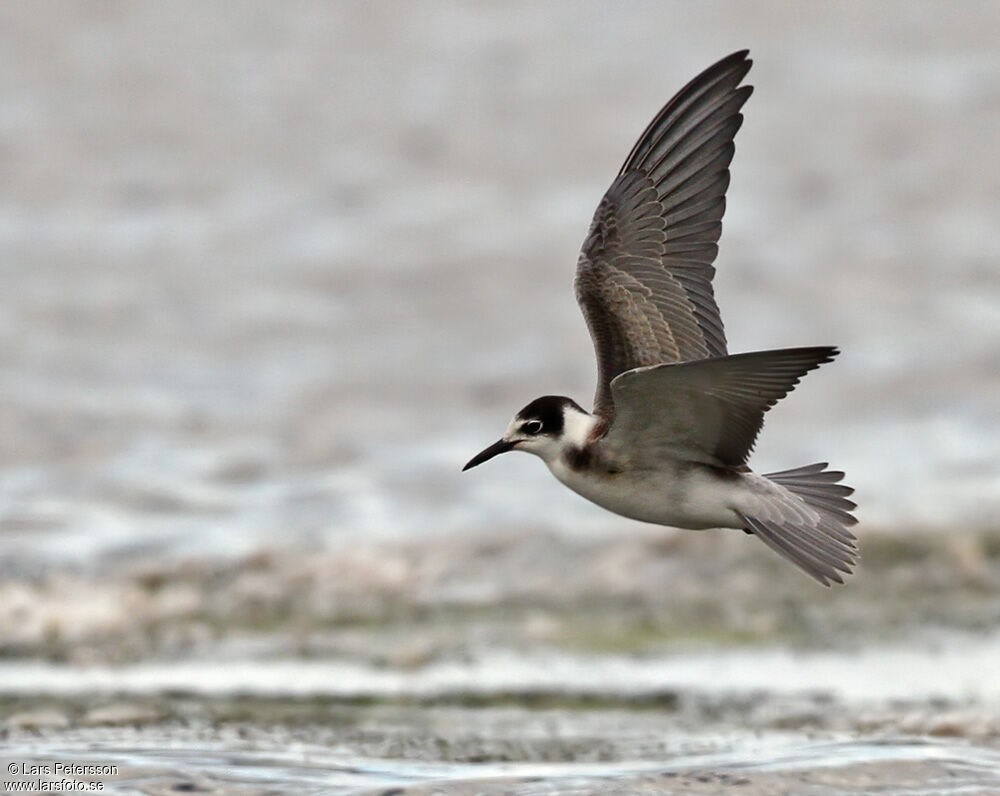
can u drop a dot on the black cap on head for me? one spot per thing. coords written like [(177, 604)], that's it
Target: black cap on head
[(548, 410)]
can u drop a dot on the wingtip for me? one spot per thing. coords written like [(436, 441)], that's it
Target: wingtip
[(827, 353), (740, 57), (738, 61)]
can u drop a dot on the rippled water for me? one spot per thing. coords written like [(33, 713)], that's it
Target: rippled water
[(900, 721), (884, 767)]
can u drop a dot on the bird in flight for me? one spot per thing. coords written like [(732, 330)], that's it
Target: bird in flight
[(675, 415)]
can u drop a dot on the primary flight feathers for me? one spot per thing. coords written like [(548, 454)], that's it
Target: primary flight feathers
[(644, 277)]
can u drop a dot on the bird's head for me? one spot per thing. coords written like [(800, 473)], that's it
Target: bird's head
[(545, 427)]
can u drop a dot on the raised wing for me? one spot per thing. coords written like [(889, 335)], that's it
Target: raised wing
[(644, 278), (708, 411)]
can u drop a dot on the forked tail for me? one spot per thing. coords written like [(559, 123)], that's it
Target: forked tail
[(807, 519)]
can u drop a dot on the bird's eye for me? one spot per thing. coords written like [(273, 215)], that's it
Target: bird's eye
[(532, 427)]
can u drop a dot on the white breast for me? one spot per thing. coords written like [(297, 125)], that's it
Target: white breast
[(674, 494)]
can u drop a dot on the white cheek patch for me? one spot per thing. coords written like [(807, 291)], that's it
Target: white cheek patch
[(577, 427)]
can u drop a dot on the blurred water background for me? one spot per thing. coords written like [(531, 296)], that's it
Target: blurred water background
[(273, 272)]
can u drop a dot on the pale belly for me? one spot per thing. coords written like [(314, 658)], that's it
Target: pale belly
[(682, 496)]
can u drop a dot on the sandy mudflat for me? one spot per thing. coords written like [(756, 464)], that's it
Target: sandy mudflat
[(401, 604)]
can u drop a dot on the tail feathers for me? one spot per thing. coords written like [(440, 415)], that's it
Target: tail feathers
[(807, 521), (820, 489)]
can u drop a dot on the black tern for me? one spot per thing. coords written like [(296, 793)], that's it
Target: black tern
[(675, 415)]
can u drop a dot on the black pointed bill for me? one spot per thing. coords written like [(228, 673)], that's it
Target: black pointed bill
[(498, 447)]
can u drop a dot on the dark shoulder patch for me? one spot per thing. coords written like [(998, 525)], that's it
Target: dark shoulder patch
[(578, 458), (587, 458)]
